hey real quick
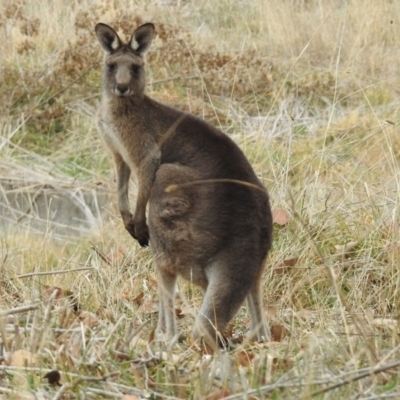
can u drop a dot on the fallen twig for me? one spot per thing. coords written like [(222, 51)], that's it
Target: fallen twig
[(369, 372), (281, 384), (22, 309), (100, 254), (65, 271)]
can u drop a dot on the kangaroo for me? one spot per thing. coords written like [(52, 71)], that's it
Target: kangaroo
[(209, 218)]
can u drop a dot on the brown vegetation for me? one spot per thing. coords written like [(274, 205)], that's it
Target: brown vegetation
[(313, 103)]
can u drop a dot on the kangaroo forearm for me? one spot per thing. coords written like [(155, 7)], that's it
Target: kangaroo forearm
[(147, 174), (123, 176), (145, 184)]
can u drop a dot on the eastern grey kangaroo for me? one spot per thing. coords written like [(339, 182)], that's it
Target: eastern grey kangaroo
[(209, 217)]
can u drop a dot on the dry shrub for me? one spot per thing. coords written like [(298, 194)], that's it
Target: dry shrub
[(249, 67)]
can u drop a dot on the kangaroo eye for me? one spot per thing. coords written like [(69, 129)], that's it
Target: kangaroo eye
[(135, 69), (111, 67)]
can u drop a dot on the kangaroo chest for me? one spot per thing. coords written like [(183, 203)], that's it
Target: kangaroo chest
[(119, 143), (130, 138)]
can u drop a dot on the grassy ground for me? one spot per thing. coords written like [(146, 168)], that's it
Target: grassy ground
[(309, 90)]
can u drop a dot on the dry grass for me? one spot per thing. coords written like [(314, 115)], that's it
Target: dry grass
[(309, 90)]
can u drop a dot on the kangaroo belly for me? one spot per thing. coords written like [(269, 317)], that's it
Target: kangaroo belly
[(174, 235)]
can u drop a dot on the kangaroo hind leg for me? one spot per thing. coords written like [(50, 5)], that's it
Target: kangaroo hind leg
[(166, 280), (224, 295), (259, 328)]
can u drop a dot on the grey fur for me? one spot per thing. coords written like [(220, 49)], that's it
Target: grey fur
[(203, 225)]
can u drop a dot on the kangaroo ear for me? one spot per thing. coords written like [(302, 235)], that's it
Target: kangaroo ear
[(108, 38), (142, 38)]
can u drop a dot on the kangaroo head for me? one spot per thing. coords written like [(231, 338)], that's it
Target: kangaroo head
[(124, 66)]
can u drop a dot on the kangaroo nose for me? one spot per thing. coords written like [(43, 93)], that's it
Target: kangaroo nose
[(121, 90)]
